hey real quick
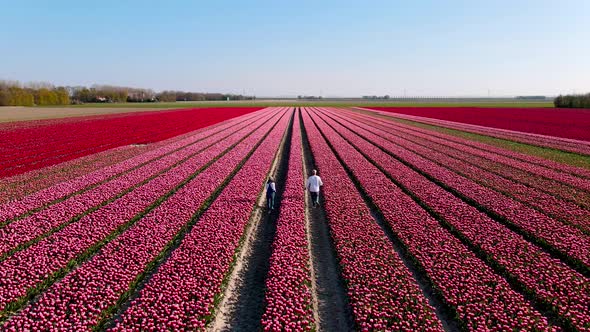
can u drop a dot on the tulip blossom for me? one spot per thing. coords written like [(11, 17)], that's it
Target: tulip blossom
[(29, 267), (41, 143), (288, 285), (481, 298), (181, 294), (381, 290), (553, 282), (563, 129)]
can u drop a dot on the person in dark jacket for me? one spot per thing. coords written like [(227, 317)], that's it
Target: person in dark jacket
[(271, 190)]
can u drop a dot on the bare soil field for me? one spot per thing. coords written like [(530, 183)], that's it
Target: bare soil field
[(18, 113)]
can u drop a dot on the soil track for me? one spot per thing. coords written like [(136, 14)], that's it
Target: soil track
[(332, 310), (242, 305), (15, 113)]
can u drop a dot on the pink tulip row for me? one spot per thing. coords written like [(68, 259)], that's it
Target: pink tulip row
[(489, 150), (181, 294), (27, 229), (516, 165), (48, 146), (520, 171), (551, 281), (19, 186), (553, 142), (288, 285), (482, 299), (381, 290), (78, 300), (46, 196), (569, 240), (565, 211), (27, 268)]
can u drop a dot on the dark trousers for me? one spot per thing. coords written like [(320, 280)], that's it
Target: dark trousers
[(270, 200), (315, 197)]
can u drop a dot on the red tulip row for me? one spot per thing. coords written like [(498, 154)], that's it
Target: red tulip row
[(551, 181), (42, 198), (78, 300), (288, 285), (552, 206), (490, 150), (570, 241), (381, 290), (198, 266), (553, 141), (35, 147), (23, 230), (564, 290), (482, 299), (27, 268)]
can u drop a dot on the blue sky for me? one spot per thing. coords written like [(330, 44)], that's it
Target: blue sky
[(286, 48)]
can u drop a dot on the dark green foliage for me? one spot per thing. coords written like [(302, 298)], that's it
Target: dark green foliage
[(573, 101)]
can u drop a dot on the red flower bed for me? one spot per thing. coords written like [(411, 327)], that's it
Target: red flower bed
[(567, 123), (43, 143)]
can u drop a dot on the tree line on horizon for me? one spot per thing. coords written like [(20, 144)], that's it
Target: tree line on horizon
[(13, 93), (572, 101)]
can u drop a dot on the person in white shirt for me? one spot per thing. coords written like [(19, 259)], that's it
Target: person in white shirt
[(271, 189), (313, 184)]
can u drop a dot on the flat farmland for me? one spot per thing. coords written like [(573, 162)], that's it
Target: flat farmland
[(13, 113), (159, 223)]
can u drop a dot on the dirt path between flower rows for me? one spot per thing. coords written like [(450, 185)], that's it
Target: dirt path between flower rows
[(16, 113), (242, 305), (332, 310), (443, 311)]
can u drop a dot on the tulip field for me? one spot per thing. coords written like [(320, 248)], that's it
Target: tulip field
[(562, 129), (140, 221)]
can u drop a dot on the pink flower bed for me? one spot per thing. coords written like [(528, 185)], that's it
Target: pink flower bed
[(459, 162), (27, 268), (382, 291), (551, 281), (565, 183), (483, 300), (23, 230), (462, 142), (199, 264), (44, 197), (569, 240), (77, 301), (288, 284)]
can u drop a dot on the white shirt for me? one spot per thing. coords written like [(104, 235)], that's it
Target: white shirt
[(272, 186), (313, 183)]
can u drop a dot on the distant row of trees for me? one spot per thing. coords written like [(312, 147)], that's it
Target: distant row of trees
[(13, 93), (573, 101), (198, 96), (115, 94)]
